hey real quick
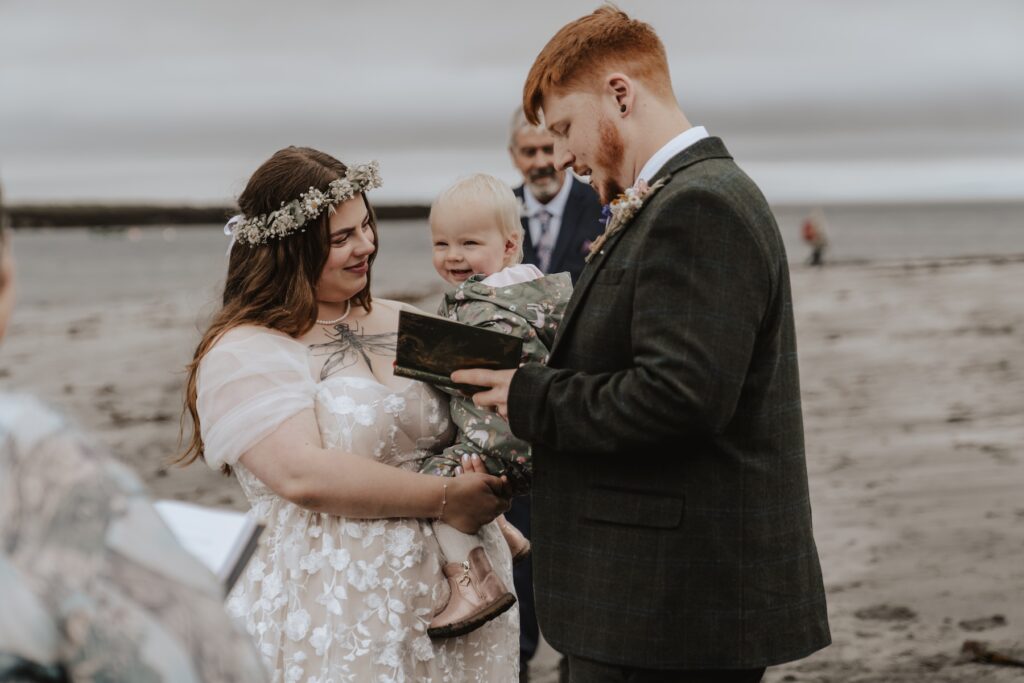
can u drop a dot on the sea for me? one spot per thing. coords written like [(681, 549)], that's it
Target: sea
[(96, 265)]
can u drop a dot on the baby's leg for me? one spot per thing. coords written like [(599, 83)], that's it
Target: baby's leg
[(485, 434), (518, 544), (455, 545), (477, 594)]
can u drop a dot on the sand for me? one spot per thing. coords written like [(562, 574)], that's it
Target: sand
[(913, 386)]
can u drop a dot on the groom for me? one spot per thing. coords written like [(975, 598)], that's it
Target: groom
[(671, 518)]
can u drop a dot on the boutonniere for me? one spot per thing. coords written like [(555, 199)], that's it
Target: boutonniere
[(617, 214)]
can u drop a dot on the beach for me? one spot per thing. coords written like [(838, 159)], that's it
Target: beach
[(913, 394)]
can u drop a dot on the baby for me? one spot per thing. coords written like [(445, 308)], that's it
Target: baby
[(477, 242)]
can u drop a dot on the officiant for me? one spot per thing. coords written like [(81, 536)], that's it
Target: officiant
[(561, 215)]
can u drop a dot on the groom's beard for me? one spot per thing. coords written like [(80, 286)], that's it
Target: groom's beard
[(609, 160)]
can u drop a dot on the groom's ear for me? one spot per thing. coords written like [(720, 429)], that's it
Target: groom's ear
[(621, 88)]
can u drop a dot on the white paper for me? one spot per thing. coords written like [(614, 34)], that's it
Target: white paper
[(214, 535)]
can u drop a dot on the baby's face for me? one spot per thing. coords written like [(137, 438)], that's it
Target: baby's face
[(467, 241)]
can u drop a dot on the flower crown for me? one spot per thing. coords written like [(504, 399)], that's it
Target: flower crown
[(310, 204)]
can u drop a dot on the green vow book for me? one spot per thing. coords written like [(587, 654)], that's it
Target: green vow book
[(431, 348)]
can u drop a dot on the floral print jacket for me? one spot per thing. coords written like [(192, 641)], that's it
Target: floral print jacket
[(530, 310), (93, 585)]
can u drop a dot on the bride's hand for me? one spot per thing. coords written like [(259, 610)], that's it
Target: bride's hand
[(474, 499), (475, 463), (472, 464)]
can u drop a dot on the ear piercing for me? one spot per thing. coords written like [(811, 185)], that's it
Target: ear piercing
[(623, 109)]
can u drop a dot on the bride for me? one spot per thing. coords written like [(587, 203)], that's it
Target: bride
[(292, 389)]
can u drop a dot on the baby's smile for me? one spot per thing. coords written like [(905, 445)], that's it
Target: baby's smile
[(460, 274)]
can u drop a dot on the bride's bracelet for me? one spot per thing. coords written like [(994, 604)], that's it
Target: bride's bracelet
[(444, 501)]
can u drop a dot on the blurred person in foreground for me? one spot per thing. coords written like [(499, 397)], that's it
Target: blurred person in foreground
[(671, 517), (93, 586)]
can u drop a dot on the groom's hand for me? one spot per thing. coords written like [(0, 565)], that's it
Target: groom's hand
[(495, 395)]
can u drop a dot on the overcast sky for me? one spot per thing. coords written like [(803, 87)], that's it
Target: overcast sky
[(818, 99)]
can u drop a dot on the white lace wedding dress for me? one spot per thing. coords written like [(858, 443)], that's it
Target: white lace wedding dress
[(328, 598)]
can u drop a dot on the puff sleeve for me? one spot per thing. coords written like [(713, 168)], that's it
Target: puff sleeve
[(249, 383)]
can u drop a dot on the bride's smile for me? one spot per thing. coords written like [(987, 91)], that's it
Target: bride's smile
[(348, 262)]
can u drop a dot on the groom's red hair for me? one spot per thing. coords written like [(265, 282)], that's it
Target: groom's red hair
[(602, 42)]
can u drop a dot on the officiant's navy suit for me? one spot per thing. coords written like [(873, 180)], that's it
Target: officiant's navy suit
[(580, 226)]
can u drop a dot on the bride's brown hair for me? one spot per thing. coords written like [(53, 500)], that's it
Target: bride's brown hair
[(274, 284)]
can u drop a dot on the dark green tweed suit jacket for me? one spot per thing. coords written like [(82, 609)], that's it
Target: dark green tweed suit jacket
[(671, 518)]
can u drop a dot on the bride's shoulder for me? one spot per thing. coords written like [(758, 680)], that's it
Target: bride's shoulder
[(248, 344), (254, 335)]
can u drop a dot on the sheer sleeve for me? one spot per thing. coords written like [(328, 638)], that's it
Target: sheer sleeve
[(249, 383)]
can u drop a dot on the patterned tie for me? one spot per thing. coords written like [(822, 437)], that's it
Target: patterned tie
[(544, 245)]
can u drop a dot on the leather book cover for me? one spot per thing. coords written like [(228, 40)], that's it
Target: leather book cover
[(431, 348)]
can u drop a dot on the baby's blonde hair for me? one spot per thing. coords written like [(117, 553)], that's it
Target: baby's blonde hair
[(488, 190)]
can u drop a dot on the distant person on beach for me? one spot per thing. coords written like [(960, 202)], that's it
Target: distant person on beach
[(93, 585), (292, 387), (816, 237), (672, 528), (477, 238), (561, 218)]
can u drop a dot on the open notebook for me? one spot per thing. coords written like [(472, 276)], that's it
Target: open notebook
[(223, 540)]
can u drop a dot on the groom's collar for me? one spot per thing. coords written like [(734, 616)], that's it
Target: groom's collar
[(688, 137), (708, 148)]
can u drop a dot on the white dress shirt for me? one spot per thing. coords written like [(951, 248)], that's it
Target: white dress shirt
[(556, 207), (669, 150)]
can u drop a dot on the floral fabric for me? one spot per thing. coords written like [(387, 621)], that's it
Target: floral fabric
[(93, 586), (530, 310), (328, 598)]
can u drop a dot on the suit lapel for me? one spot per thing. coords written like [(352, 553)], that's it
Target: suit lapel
[(529, 252), (708, 148), (569, 226), (583, 284)]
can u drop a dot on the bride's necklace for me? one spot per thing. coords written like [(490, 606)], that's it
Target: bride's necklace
[(344, 341), (348, 309)]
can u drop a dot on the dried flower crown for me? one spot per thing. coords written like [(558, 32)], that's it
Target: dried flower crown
[(293, 215)]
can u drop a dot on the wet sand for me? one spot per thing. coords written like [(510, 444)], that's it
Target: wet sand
[(913, 386)]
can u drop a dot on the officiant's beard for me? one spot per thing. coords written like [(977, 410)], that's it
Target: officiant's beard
[(545, 183), (610, 153)]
